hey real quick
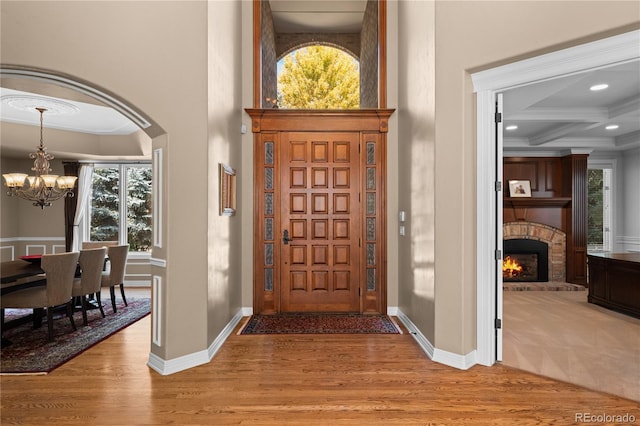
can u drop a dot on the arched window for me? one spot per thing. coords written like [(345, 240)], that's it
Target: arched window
[(318, 77)]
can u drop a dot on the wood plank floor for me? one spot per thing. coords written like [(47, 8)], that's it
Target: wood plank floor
[(293, 379)]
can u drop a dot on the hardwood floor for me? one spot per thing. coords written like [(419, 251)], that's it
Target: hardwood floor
[(293, 379), (559, 334)]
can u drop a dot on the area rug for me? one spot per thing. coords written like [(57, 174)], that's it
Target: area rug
[(320, 324), (30, 353), (549, 286)]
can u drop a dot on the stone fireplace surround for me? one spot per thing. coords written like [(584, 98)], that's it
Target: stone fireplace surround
[(554, 237)]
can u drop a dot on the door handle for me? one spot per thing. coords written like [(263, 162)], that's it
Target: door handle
[(285, 237)]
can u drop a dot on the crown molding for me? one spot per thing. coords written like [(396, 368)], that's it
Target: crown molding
[(613, 50)]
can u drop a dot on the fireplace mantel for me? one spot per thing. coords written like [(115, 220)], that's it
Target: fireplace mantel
[(537, 201), (558, 199)]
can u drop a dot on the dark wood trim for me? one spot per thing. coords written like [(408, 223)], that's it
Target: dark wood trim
[(382, 53), (257, 53), (537, 202), (575, 184), (376, 120)]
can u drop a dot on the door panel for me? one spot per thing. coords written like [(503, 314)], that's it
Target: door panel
[(320, 208)]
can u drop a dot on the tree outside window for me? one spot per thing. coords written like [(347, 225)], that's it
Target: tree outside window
[(105, 205), (318, 77), (599, 209), (121, 205)]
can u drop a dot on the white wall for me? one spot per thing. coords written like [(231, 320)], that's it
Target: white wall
[(629, 237), (626, 195)]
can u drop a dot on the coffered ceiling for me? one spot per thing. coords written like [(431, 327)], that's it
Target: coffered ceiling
[(566, 113)]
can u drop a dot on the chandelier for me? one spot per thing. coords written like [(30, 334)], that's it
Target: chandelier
[(42, 188)]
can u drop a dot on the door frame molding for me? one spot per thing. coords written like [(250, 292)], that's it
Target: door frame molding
[(574, 60), (268, 123)]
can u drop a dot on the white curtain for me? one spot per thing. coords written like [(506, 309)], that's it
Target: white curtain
[(84, 192)]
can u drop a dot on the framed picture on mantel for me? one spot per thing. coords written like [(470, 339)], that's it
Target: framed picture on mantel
[(519, 188)]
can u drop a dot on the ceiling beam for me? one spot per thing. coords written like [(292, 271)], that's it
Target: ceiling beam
[(558, 132), (561, 114)]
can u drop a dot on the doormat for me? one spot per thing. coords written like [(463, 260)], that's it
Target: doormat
[(551, 286), (30, 353), (320, 324)]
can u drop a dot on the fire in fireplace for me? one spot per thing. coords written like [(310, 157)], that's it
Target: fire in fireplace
[(525, 260)]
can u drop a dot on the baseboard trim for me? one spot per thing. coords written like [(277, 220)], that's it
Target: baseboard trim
[(423, 342), (461, 362), (247, 311), (166, 367), (392, 311), (185, 362), (225, 333)]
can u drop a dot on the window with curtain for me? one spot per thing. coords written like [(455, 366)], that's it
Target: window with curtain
[(120, 205)]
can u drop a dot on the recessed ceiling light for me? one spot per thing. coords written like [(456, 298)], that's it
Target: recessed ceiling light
[(612, 127), (511, 127), (597, 87)]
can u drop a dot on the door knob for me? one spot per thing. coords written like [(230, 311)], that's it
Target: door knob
[(285, 237)]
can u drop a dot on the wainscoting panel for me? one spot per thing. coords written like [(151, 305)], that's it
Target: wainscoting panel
[(7, 253), (138, 271), (628, 243), (156, 311)]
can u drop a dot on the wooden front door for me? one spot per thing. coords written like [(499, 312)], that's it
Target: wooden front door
[(320, 222), (320, 176)]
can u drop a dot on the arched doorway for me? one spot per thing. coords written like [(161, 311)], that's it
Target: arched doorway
[(57, 85)]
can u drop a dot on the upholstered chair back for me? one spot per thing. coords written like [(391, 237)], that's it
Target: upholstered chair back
[(91, 264), (60, 270), (118, 261)]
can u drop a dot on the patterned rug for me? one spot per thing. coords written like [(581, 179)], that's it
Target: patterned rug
[(320, 324), (30, 353), (548, 286)]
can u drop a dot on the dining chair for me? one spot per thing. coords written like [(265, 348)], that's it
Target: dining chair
[(90, 281), (115, 276), (59, 271)]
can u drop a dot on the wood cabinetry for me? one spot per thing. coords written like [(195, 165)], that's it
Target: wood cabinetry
[(558, 199), (614, 281)]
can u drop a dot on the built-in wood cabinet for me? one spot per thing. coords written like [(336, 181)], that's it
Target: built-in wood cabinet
[(558, 199), (614, 281)]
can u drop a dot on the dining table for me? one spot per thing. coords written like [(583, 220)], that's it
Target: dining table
[(20, 274)]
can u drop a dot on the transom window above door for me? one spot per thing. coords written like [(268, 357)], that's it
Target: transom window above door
[(318, 77), (356, 27)]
